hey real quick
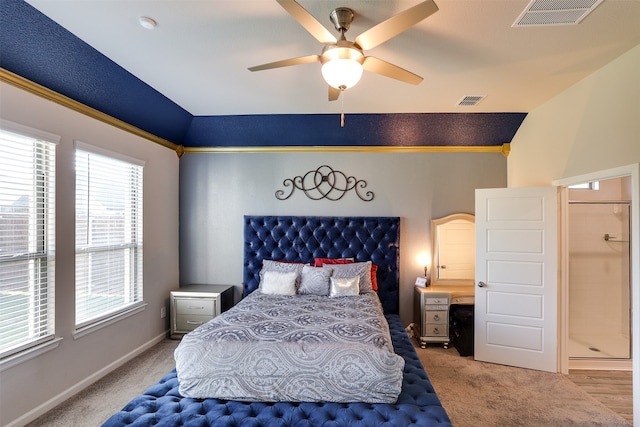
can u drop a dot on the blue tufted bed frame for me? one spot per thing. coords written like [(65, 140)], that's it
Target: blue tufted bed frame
[(296, 238)]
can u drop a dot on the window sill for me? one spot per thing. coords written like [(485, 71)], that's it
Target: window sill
[(88, 329), (28, 354)]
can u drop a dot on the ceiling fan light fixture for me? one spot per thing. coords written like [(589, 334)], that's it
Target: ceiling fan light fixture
[(342, 66)]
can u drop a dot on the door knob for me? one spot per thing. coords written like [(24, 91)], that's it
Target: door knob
[(481, 284)]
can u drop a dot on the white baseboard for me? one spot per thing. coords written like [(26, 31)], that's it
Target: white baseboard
[(76, 388)]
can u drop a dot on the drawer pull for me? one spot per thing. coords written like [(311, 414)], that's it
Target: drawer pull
[(436, 331), (194, 322), (196, 307), (436, 317)]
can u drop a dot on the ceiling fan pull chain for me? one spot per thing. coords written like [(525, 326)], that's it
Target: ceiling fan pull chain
[(342, 108)]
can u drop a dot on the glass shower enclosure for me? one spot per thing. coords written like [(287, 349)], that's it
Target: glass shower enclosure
[(599, 280)]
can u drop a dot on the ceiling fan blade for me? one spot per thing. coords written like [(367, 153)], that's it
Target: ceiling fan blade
[(311, 24), (387, 69), (334, 93), (395, 25), (287, 62)]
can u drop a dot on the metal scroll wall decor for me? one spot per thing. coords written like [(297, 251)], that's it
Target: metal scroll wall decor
[(325, 183)]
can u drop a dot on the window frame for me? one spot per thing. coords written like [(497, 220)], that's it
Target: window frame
[(42, 249), (111, 316)]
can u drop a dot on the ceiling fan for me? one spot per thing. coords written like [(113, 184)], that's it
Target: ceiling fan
[(342, 60)]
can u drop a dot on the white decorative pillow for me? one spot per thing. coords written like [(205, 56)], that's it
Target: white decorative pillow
[(315, 281), (275, 283), (360, 269), (344, 287), (281, 267)]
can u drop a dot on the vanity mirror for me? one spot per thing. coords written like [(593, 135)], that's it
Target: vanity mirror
[(454, 247)]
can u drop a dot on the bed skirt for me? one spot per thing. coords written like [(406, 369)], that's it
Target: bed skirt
[(418, 405)]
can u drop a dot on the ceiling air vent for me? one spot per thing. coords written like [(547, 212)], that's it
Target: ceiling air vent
[(555, 12), (470, 100)]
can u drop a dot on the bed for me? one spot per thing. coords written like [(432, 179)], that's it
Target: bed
[(303, 239)]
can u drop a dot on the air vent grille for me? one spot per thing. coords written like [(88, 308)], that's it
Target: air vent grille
[(555, 12), (470, 100)]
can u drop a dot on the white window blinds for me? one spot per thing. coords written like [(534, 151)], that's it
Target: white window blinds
[(27, 237), (108, 234)]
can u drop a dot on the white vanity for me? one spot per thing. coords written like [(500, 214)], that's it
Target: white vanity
[(452, 278)]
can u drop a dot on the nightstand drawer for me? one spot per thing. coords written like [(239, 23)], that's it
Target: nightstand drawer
[(440, 300), (439, 330), (195, 306), (187, 323), (436, 316)]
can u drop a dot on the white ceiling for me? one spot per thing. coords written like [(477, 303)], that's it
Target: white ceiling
[(199, 53)]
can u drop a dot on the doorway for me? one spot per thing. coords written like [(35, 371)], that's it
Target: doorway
[(632, 173), (599, 276)]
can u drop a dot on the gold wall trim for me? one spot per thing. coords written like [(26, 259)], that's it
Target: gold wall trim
[(358, 149), (36, 89), (506, 149)]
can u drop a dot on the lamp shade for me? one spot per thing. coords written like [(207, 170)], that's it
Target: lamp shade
[(342, 67)]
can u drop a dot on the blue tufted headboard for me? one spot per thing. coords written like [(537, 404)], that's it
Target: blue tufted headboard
[(303, 238)]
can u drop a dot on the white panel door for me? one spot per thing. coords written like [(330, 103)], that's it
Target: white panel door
[(516, 307)]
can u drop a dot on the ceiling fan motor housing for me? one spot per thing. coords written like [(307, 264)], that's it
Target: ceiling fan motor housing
[(341, 18)]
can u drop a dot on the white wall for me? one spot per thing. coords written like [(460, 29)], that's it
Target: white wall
[(216, 190), (592, 126), (32, 387)]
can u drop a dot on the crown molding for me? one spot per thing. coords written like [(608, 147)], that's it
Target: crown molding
[(43, 92), (503, 149)]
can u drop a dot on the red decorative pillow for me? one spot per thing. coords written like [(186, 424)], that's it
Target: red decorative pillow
[(374, 277), (319, 262)]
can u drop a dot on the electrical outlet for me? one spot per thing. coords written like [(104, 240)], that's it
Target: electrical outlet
[(163, 312)]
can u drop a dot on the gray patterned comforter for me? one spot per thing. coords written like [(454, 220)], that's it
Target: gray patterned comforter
[(302, 348)]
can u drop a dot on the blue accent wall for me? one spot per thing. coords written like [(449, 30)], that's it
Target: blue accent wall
[(434, 129), (38, 49)]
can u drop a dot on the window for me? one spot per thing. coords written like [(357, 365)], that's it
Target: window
[(108, 234), (27, 237), (595, 185)]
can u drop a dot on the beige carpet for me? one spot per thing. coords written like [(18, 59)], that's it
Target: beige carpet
[(477, 394), (474, 394), (94, 405)]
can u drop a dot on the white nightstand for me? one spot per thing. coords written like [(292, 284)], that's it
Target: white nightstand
[(194, 305)]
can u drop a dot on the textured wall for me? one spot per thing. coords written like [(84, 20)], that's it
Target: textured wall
[(216, 190)]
